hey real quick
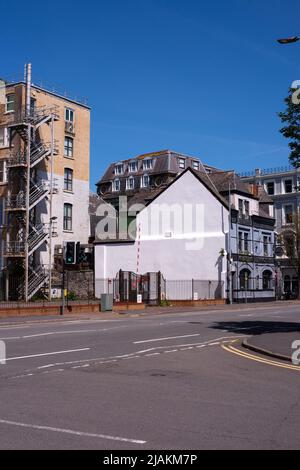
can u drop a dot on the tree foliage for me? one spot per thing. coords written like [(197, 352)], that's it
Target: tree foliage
[(291, 129)]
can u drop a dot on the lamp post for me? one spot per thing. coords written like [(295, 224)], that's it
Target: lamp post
[(52, 219)]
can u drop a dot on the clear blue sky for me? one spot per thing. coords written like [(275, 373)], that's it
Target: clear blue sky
[(202, 78)]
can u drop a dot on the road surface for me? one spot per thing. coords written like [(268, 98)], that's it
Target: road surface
[(173, 381)]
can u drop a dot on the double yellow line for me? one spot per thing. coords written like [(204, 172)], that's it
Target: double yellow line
[(252, 357)]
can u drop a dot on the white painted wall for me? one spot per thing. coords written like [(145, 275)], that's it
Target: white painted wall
[(172, 255), (79, 198)]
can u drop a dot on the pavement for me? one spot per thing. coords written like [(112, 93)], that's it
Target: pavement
[(276, 344), (173, 380)]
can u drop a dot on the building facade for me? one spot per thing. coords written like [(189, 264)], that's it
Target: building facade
[(44, 180), (247, 247), (282, 185)]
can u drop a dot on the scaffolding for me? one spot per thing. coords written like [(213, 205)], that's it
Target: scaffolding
[(26, 232)]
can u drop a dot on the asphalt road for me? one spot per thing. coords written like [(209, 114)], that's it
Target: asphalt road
[(174, 381)]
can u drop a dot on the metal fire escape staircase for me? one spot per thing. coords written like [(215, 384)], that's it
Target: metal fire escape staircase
[(33, 151)]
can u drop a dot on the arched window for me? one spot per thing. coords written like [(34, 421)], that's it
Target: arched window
[(130, 183), (267, 280), (145, 181), (245, 279)]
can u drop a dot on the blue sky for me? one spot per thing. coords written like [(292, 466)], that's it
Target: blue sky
[(202, 78)]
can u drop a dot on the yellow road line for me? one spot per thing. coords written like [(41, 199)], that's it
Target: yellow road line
[(258, 359)]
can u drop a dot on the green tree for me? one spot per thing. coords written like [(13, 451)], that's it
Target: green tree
[(291, 130)]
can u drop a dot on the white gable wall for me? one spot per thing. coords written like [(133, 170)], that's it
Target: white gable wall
[(168, 251)]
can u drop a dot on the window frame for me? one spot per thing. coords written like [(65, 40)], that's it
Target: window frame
[(181, 163), (146, 163), (285, 214), (128, 180), (7, 103), (68, 182), (68, 217), (266, 187), (143, 185), (135, 163), (67, 148), (115, 181), (70, 110), (3, 179)]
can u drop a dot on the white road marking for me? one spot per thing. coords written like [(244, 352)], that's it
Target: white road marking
[(171, 351), (70, 431), (164, 339), (153, 354), (47, 354)]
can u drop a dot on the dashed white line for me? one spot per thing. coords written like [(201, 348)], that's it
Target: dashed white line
[(164, 339)]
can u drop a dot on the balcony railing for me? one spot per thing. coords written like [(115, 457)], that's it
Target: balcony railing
[(14, 248)]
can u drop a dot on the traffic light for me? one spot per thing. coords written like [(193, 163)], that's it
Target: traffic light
[(70, 253)]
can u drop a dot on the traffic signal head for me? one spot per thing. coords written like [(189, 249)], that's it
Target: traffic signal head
[(70, 253)]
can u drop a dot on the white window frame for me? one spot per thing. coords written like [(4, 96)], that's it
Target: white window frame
[(196, 165), (147, 164), (283, 185), (181, 163), (117, 167), (114, 183), (143, 185), (5, 137), (4, 179), (131, 178), (135, 164), (9, 102), (69, 111), (266, 182)]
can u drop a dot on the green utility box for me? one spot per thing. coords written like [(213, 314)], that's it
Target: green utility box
[(106, 302)]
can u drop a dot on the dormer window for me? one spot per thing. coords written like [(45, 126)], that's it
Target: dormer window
[(145, 181), (116, 185), (130, 183), (148, 164), (132, 167), (119, 169), (181, 163), (196, 165)]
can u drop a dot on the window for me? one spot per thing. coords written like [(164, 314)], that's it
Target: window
[(247, 209), (240, 241), (10, 103), (4, 137), (2, 171), (116, 185), (147, 164), (195, 165), (245, 279), (32, 105), (288, 186), (1, 212), (69, 115), (243, 241), (68, 209), (119, 168), (246, 241), (68, 179), (267, 280), (266, 245), (241, 207), (270, 187), (288, 214), (133, 167), (130, 183), (69, 147), (145, 181), (181, 163)]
